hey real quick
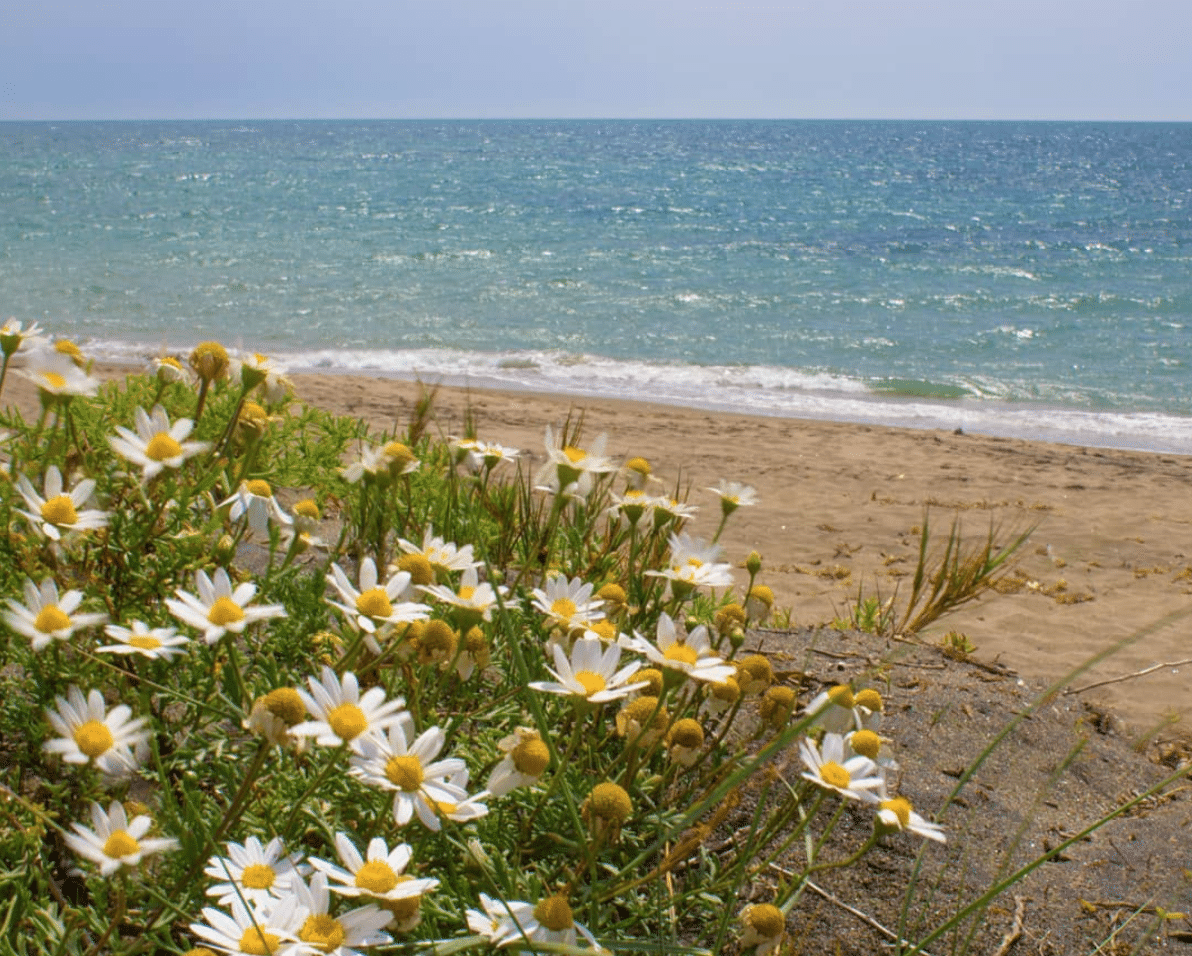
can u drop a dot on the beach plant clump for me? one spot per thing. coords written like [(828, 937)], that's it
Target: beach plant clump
[(275, 683)]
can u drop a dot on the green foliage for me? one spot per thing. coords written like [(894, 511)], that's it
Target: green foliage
[(445, 579)]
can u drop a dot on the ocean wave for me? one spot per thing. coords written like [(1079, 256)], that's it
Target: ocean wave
[(975, 406)]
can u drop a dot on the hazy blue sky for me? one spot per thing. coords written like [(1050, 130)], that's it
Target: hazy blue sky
[(1010, 59)]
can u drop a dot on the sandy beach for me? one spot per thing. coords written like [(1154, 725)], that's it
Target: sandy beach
[(840, 506)]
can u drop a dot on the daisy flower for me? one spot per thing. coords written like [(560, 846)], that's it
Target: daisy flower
[(90, 734), (526, 759), (591, 673), (839, 710), (254, 369), (550, 921), (218, 609), (58, 378), (690, 654), (373, 605), (167, 370), (629, 507), (366, 466), (568, 603), (855, 777), (489, 454), (337, 935), (443, 556), (763, 926), (667, 509), (156, 444), (474, 599), (14, 336), (410, 770), (381, 462), (274, 713), (571, 470), (251, 932), (254, 501), (896, 815), (58, 512), (158, 643), (254, 873), (694, 563), (502, 921), (344, 716), (868, 744), (378, 874), (45, 617), (113, 841), (734, 495)]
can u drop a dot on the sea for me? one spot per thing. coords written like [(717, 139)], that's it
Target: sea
[(1028, 279)]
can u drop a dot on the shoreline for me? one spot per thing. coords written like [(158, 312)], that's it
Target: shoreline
[(840, 505), (758, 391)]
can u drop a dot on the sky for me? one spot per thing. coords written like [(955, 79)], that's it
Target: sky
[(896, 59)]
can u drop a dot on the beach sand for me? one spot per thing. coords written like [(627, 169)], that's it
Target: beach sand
[(840, 506)]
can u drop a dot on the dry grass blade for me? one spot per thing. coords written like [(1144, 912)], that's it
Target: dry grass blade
[(961, 573)]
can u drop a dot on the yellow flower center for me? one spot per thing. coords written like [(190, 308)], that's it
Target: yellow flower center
[(841, 695), (162, 446), (466, 592), (256, 942), (225, 611), (307, 508), (610, 801), (554, 913), (900, 807), (681, 653), (374, 603), (605, 630), (687, 733), (325, 931), (405, 773), (866, 743), (51, 618), (285, 704), (727, 692), (258, 876), (120, 844), (563, 609), (531, 756), (590, 681), (870, 699), (259, 487), (93, 738), (766, 919), (59, 510), (835, 775), (376, 876), (144, 642), (417, 567), (54, 379), (399, 454), (347, 721), (574, 455), (210, 361)]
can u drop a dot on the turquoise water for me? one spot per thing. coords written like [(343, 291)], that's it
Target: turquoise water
[(1013, 278)]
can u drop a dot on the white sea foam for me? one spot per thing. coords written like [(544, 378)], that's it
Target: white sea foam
[(747, 389)]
